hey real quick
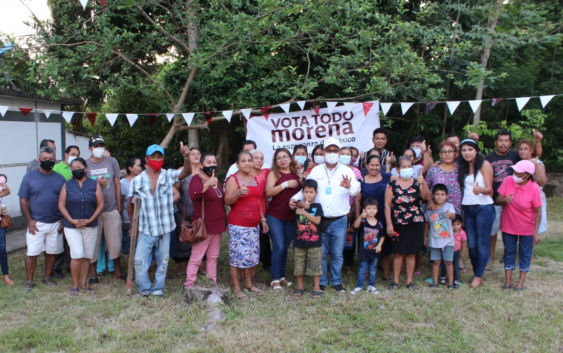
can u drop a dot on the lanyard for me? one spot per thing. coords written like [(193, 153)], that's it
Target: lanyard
[(329, 177)]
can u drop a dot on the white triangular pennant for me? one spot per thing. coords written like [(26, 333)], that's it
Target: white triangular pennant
[(474, 104), (330, 106), (301, 104), (285, 107), (405, 107), (68, 116), (84, 3), (48, 113), (521, 102), (111, 118), (545, 99), (170, 116), (3, 110), (385, 107), (228, 114), (452, 106), (188, 117), (132, 118), (246, 112)]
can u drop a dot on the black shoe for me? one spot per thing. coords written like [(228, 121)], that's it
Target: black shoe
[(58, 274), (339, 288), (322, 288), (93, 281), (412, 286)]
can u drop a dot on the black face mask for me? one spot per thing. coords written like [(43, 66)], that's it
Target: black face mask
[(209, 170), (47, 165), (78, 174)]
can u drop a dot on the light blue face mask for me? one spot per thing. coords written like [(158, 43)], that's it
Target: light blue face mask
[(300, 159), (345, 159), (70, 159)]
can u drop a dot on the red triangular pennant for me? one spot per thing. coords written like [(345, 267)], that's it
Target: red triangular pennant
[(266, 111), (429, 107), (316, 106), (208, 116), (152, 119), (103, 3), (25, 111), (497, 100), (367, 107), (92, 117)]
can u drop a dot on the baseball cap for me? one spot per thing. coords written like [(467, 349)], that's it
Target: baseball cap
[(524, 167), (153, 149), (96, 140), (331, 141)]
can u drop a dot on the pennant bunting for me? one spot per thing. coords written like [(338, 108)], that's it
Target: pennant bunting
[(474, 104), (285, 107), (208, 117), (170, 116), (111, 118), (429, 106), (152, 118), (452, 106), (188, 117), (545, 99), (301, 104), (385, 107), (266, 111), (3, 110), (497, 101), (330, 106), (367, 107), (48, 113), (92, 117), (104, 4), (25, 111), (521, 102), (316, 106), (84, 3), (228, 114), (68, 116), (405, 107), (246, 112), (132, 118)]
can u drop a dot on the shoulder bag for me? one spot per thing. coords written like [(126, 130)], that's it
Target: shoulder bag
[(193, 232)]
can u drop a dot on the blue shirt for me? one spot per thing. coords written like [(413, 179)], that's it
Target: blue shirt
[(81, 202), (42, 191)]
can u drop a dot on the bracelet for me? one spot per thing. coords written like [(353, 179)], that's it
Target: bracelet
[(284, 185), (263, 220)]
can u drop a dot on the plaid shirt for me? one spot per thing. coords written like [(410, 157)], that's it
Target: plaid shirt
[(156, 216)]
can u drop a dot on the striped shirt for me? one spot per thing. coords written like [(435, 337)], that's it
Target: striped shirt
[(156, 216)]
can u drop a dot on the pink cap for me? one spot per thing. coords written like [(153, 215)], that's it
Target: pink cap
[(524, 167)]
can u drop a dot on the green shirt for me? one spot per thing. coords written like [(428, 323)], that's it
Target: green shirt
[(63, 169)]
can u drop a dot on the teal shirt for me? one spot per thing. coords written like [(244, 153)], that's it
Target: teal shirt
[(63, 169)]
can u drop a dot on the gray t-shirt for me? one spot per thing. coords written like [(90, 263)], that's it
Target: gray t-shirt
[(107, 168), (441, 232)]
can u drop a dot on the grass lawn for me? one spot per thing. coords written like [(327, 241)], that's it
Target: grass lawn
[(482, 320)]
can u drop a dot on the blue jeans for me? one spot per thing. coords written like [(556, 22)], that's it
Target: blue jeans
[(143, 257), (3, 254), (333, 239), (364, 266), (281, 232), (479, 221), (126, 240), (525, 250)]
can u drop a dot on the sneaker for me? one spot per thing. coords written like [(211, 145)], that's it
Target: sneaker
[(457, 283), (356, 290), (372, 290), (322, 288), (338, 288), (49, 281), (443, 280), (93, 281), (451, 286), (28, 286), (58, 274)]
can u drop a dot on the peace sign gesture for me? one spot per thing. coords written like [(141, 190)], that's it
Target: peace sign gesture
[(345, 182)]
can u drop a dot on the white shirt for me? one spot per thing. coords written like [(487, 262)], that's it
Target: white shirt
[(233, 169), (334, 198), (469, 198)]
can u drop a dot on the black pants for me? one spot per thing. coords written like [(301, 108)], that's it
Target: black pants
[(265, 249), (349, 256), (62, 261)]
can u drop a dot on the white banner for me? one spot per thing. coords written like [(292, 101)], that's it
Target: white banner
[(346, 123)]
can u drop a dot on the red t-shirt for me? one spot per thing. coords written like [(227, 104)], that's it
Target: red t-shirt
[(245, 212), (518, 217)]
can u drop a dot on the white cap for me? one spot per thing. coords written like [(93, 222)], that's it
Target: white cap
[(331, 141)]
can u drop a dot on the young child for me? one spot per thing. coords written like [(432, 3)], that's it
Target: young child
[(370, 240), (308, 243), (440, 238)]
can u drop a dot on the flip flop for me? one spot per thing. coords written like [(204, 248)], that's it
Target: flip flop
[(73, 291), (316, 294), (123, 277), (505, 288), (463, 270), (257, 290), (298, 292), (242, 296)]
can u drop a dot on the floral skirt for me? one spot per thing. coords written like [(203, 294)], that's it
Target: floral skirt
[(244, 246)]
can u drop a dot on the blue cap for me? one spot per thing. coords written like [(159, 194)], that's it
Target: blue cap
[(153, 149)]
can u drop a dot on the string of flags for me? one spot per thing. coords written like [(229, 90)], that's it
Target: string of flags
[(247, 112)]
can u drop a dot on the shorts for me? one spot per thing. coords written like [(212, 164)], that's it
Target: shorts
[(109, 225), (446, 254), (308, 261), (496, 225), (81, 242), (47, 239)]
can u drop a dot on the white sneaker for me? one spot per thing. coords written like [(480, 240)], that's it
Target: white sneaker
[(372, 290), (356, 290)]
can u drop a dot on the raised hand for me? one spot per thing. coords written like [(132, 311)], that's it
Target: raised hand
[(423, 146), (364, 214), (420, 179), (472, 135), (212, 181), (185, 150), (243, 189), (538, 136), (345, 182), (389, 158)]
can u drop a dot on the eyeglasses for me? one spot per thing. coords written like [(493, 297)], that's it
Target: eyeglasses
[(282, 157), (332, 151), (447, 152)]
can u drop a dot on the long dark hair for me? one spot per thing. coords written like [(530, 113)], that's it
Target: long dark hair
[(464, 167), (130, 163)]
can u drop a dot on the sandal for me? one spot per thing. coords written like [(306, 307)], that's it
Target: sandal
[(412, 286), (256, 290), (463, 270), (123, 277), (93, 281), (433, 285), (276, 286), (298, 292), (239, 295), (386, 278), (506, 288), (285, 282), (394, 286), (316, 294), (518, 289), (74, 291)]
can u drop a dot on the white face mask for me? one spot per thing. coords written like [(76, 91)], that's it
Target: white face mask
[(98, 152), (417, 152), (70, 159), (319, 159), (331, 158), (517, 180), (406, 173)]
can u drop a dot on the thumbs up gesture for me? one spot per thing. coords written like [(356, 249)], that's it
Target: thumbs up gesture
[(538, 136), (185, 150), (510, 198), (476, 189), (472, 135)]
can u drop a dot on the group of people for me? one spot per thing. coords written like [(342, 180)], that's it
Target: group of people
[(389, 209)]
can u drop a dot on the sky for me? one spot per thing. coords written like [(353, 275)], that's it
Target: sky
[(14, 13)]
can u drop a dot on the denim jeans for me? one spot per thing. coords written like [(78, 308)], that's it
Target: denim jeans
[(456, 266), (101, 263), (525, 250), (333, 239), (126, 240), (364, 266), (143, 257), (3, 254), (479, 221), (282, 232)]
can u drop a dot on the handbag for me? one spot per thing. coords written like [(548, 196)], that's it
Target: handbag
[(6, 221), (195, 231)]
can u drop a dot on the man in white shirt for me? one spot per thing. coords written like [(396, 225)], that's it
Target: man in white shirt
[(336, 184), (247, 146)]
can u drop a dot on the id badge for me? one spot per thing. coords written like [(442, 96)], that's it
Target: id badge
[(328, 190)]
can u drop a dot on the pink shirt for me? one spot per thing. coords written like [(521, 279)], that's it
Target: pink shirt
[(461, 236), (518, 217)]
